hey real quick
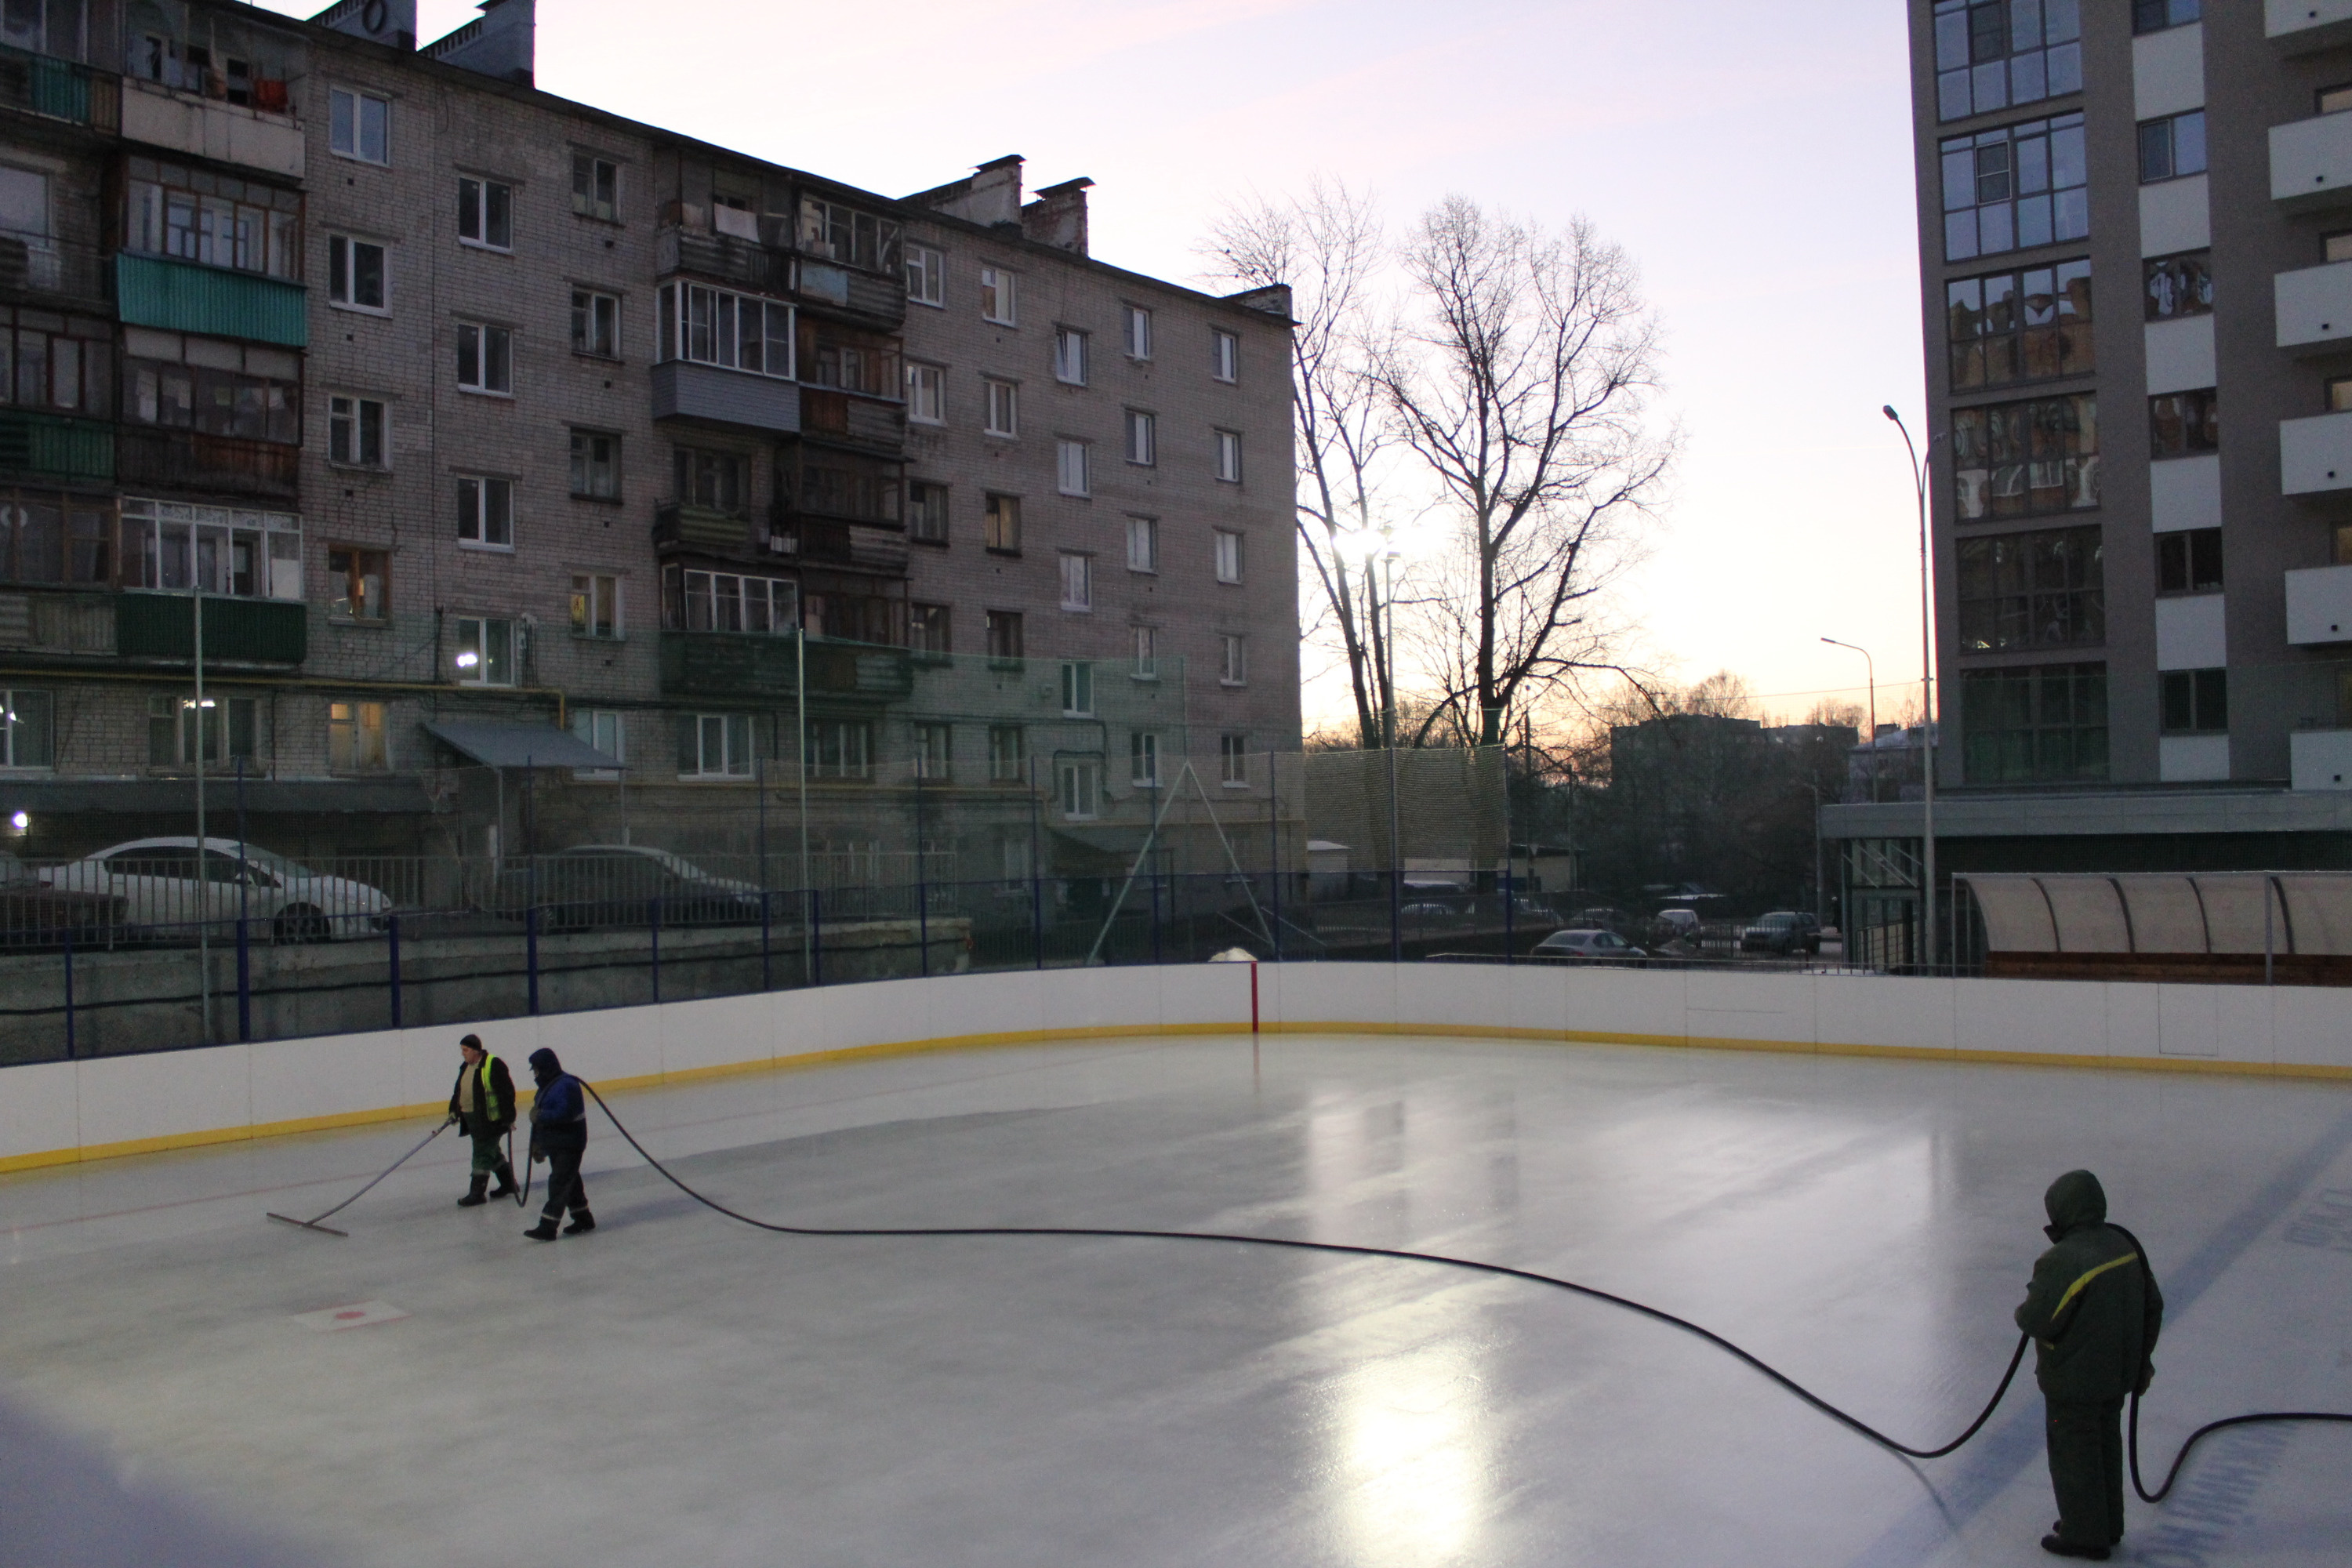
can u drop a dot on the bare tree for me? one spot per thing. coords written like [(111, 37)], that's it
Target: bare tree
[(1521, 388)]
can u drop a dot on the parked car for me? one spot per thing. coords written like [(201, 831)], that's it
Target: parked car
[(1782, 930), (33, 913), (164, 882), (1424, 912), (1603, 946), (617, 884), (1677, 924)]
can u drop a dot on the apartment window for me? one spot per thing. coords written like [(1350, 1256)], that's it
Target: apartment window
[(927, 512), (357, 276), (1143, 760), (486, 214), (1233, 758), (1004, 634), (485, 513), (927, 400), (2020, 326), (359, 125), (357, 432), (714, 745), (359, 584), (67, 362), (355, 738), (1228, 555), (1142, 437), (999, 296), (926, 276), (735, 332), (595, 186), (1229, 456), (46, 537), (1990, 54), (1008, 758), (1142, 544), (485, 359), (1001, 525), (1146, 653), (1077, 689), (2035, 723), (603, 730), (595, 465), (2195, 700), (1138, 332), (1071, 459), (2154, 16), (698, 601), (853, 361), (223, 728), (840, 749), (929, 628), (718, 480), (195, 215), (2180, 423), (2014, 188), (934, 752), (485, 650), (596, 605), (169, 545), (1224, 354), (2046, 589), (210, 384), (595, 324), (1004, 408), (2188, 562), (2172, 147), (1081, 789), (842, 234), (25, 730), (1077, 580), (2016, 459), (1233, 666), (2179, 285), (1070, 356)]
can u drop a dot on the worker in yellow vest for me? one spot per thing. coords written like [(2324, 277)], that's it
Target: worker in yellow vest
[(483, 1107)]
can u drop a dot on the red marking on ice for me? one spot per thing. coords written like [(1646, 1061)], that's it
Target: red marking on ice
[(354, 1313)]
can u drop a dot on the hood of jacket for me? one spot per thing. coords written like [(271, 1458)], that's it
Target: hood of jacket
[(2073, 1200), (545, 1068)]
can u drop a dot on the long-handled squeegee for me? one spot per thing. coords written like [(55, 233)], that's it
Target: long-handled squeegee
[(388, 1170)]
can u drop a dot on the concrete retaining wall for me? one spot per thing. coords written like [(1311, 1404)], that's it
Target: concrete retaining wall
[(60, 1113)]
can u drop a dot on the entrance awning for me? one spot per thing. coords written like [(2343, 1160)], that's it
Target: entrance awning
[(518, 745)]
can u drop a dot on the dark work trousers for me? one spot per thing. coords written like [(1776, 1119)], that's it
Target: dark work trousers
[(565, 1188), (2087, 1470), (488, 1154)]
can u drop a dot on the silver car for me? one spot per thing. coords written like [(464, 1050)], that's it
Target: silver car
[(168, 882), (1598, 946)]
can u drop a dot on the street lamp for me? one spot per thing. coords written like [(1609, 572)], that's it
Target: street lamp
[(1927, 690), (1871, 665)]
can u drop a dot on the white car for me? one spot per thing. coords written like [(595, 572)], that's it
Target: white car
[(158, 881)]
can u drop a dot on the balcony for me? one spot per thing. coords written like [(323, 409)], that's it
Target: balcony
[(162, 626), (59, 90), (37, 264), (2313, 306), (2319, 605), (679, 526), (816, 544), (751, 666), (2319, 759), (186, 297), (706, 394), (870, 424), (212, 128), (216, 465), (722, 257), (56, 622), (2311, 164), (2316, 455), (868, 298), (55, 449), (2306, 27)]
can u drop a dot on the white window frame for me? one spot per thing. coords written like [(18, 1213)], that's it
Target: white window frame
[(1079, 788), (1142, 439), (364, 748), (1233, 756), (1146, 653), (926, 275), (474, 207), (1225, 355), (477, 638), (1070, 356), (601, 309), (1008, 755), (1143, 759), (1077, 689), (927, 393), (347, 129), (733, 734), (591, 593), (1139, 331), (1077, 572), (492, 348), (1229, 456), (1227, 544), (584, 203), (350, 412), (485, 510), (604, 730), (1000, 296), (934, 749), (343, 255), (1074, 468), (935, 532), (841, 733), (31, 712), (580, 434), (674, 339), (1143, 545), (1004, 400), (1233, 660)]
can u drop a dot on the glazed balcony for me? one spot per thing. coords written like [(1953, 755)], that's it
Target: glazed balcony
[(213, 465), (208, 127), (188, 296), (740, 400), (37, 264)]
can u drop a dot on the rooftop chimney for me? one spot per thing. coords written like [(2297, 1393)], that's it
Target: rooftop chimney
[(1058, 216), (499, 42), (392, 23), (991, 196)]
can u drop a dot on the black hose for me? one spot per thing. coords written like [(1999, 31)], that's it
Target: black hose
[(313, 1221)]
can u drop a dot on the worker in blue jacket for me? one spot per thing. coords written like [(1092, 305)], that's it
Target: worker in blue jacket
[(558, 1136)]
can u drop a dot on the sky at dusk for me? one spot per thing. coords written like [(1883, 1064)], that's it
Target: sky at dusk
[(1754, 159)]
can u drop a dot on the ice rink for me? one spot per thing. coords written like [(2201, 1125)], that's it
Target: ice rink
[(678, 1389)]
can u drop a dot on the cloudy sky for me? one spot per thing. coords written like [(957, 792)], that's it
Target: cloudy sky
[(1753, 159)]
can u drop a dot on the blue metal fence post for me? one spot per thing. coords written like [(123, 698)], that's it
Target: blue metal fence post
[(392, 933), (653, 926), (530, 953), (243, 978), (69, 1000), (766, 982)]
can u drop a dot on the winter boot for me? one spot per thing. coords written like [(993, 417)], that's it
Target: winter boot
[(505, 1187), (474, 1198), (543, 1231), (580, 1220)]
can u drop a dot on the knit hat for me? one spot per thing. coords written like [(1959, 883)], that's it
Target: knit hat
[(470, 1042)]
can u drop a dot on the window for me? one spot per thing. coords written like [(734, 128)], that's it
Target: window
[(1081, 789), (2014, 188), (219, 220), (355, 739), (1142, 544), (1142, 442), (1077, 690), (51, 361), (356, 432), (934, 752), (596, 605), (46, 537), (2020, 326), (2016, 459), (1138, 332), (2188, 562), (1008, 759), (847, 236), (485, 513), (1143, 760), (359, 125), (167, 545), (174, 724), (696, 601), (927, 512), (1229, 456), (840, 749), (1001, 525), (357, 277), (1070, 356), (359, 581), (2154, 16), (485, 651), (1233, 665), (927, 401), (26, 731), (1233, 757), (2032, 590), (1004, 408), (606, 732), (999, 296), (928, 629), (247, 391), (2339, 394), (2179, 423), (735, 332), (926, 276), (24, 215), (852, 361), (1004, 634), (2172, 147), (2195, 700), (485, 359), (1229, 555), (718, 480), (2035, 722), (1146, 653), (1071, 457), (1990, 54), (595, 186), (1225, 354), (2179, 286), (595, 324), (486, 214), (595, 465), (63, 33), (714, 745), (1077, 580)]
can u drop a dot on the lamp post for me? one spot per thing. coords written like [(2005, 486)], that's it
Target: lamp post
[(1870, 666), (1927, 690)]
